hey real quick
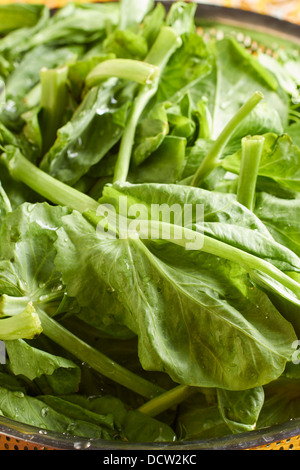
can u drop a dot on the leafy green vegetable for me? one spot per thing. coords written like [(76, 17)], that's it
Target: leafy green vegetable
[(165, 285), (229, 80), (285, 227), (13, 17), (31, 410), (26, 77), (78, 145), (85, 22)]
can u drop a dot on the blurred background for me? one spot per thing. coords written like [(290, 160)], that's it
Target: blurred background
[(283, 9)]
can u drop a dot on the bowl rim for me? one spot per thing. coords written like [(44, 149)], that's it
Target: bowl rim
[(278, 28), (272, 25), (241, 441)]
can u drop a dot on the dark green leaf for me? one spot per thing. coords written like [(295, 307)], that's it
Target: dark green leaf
[(33, 363), (240, 410), (95, 128)]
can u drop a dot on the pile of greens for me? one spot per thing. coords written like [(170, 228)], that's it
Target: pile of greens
[(141, 339)]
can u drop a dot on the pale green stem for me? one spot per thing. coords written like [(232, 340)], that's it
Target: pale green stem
[(166, 43), (50, 188), (212, 159), (54, 98), (252, 148), (127, 69), (95, 359), (167, 400)]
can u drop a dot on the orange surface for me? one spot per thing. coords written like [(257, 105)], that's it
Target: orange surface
[(51, 3), (293, 443), (8, 443), (284, 9)]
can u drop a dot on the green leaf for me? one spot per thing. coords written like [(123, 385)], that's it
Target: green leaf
[(164, 165), (196, 295), (263, 119), (11, 382), (280, 73), (27, 254), (240, 410), (181, 17), (16, 42), (28, 361), (26, 76), (181, 119), (224, 218), (189, 66), (130, 425), (285, 227), (293, 132), (199, 419), (5, 205), (126, 45), (281, 403), (30, 410), (17, 16), (150, 133), (152, 24), (225, 87), (79, 70), (141, 428), (103, 306), (94, 129), (78, 24), (132, 12), (75, 410)]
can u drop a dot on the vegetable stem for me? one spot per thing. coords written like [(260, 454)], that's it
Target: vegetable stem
[(124, 156), (127, 69), (167, 400), (164, 46), (251, 263), (95, 359), (53, 101), (212, 158), (24, 325), (10, 306), (55, 191), (252, 148)]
